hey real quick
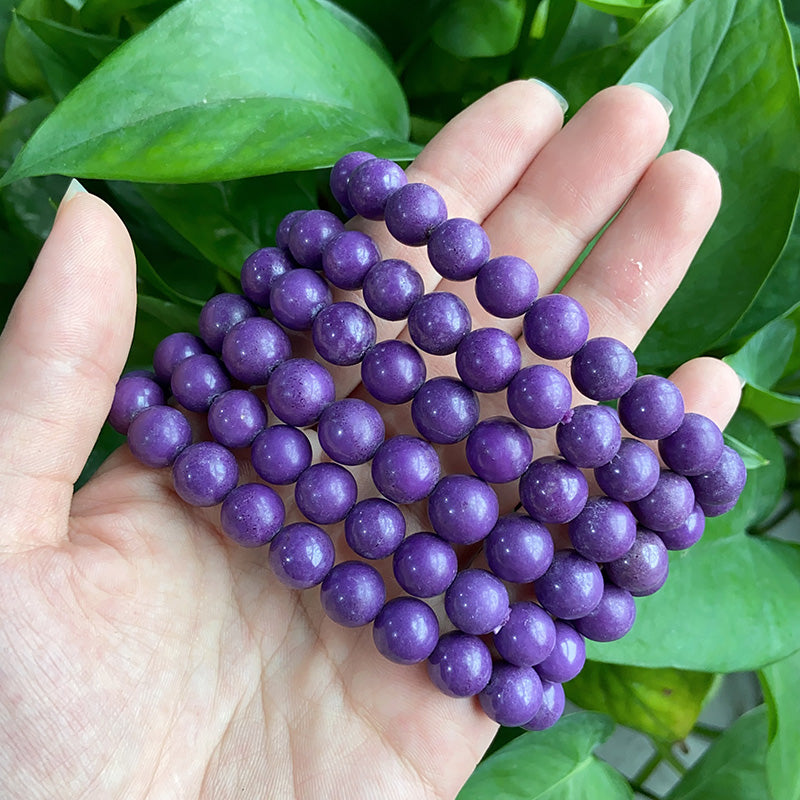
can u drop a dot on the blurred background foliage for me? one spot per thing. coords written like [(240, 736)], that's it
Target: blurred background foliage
[(203, 122)]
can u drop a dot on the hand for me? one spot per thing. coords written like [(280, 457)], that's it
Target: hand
[(144, 655)]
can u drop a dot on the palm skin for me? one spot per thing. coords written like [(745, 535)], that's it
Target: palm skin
[(146, 656)]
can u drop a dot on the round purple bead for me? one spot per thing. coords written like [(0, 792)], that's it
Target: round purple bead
[(204, 473), (340, 174), (551, 709), (157, 434), (556, 326), (604, 530), (405, 469), (348, 257), (571, 587), (714, 510), (132, 395), (393, 371), (252, 514), (539, 396), (603, 369), (589, 436), (391, 288), (632, 474), (519, 549), (299, 391), (694, 448), (173, 349), (487, 359), (567, 658), (301, 555), (285, 226), (220, 314), (342, 333), (280, 454), (374, 528), (325, 493), (297, 297), (643, 569), (424, 565), (253, 348), (197, 380), (413, 211), (444, 410), (476, 602), (652, 408), (684, 536), (463, 509), (309, 235), (350, 431), (528, 636), (458, 248), (552, 490), (668, 505), (259, 272), (611, 619), (371, 184), (406, 630), (460, 664), (438, 322), (499, 450), (506, 286), (513, 695), (724, 483), (236, 417), (352, 593)]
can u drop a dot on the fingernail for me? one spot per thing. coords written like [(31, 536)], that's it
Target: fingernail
[(562, 101), (657, 93), (73, 189)]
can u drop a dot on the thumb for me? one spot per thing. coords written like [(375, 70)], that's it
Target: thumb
[(61, 353)]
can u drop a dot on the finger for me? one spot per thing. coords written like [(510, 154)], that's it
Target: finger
[(576, 183), (709, 387), (474, 162), (61, 353)]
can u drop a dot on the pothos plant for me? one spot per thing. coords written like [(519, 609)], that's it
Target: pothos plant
[(149, 103)]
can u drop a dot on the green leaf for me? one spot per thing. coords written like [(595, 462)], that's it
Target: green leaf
[(772, 299), (733, 767), (728, 605), (556, 764), (589, 64), (727, 66), (361, 30), (774, 408), (751, 457), (226, 222), (663, 703), (213, 90), (621, 8), (479, 28), (176, 317), (781, 684), (762, 359)]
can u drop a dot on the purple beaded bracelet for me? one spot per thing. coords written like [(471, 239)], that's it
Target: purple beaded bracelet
[(619, 539)]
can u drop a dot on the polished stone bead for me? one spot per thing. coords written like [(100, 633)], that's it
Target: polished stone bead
[(348, 257), (499, 450), (252, 514), (460, 664), (506, 286), (463, 509), (299, 390), (309, 234), (259, 271), (352, 593), (406, 630), (253, 348), (405, 469), (297, 297), (393, 371), (280, 454), (444, 410), (220, 314), (197, 380), (487, 359), (301, 555), (350, 431), (391, 288), (342, 333), (519, 549), (571, 587), (204, 473), (513, 694), (325, 493), (173, 349), (413, 211), (158, 434), (236, 417), (438, 322), (374, 528), (132, 395)]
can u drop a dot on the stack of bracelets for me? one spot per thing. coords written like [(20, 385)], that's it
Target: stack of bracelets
[(514, 655)]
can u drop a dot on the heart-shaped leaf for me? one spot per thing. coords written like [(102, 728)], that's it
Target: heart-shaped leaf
[(728, 605), (781, 682), (556, 764), (663, 703), (727, 65), (215, 90)]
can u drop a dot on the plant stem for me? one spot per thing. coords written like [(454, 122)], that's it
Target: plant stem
[(666, 754), (639, 789), (647, 769), (706, 731)]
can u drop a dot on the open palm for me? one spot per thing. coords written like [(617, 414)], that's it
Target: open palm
[(143, 654)]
